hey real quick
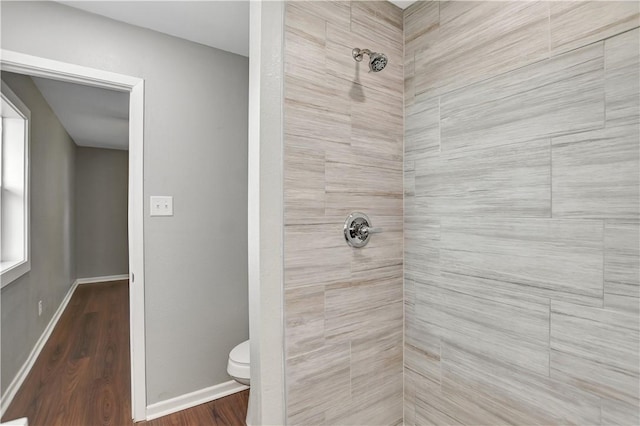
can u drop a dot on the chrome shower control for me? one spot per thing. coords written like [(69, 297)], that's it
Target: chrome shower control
[(358, 229)]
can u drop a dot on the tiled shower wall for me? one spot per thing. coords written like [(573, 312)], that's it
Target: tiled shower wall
[(343, 153), (521, 213)]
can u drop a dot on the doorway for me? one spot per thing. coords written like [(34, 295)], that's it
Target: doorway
[(40, 67)]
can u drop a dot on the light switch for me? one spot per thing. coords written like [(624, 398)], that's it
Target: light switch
[(161, 206)]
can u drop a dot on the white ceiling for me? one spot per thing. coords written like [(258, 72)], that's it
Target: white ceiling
[(220, 24), (92, 116), (403, 4)]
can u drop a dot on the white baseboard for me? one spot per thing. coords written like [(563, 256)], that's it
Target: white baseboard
[(104, 279), (192, 399), (22, 374)]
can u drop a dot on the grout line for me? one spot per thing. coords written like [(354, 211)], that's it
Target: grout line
[(439, 126), (404, 147), (550, 178), (604, 230), (604, 86), (549, 347), (350, 372), (549, 30)]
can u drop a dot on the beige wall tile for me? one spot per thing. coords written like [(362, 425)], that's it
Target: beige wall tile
[(304, 319), (622, 78), (504, 329), (318, 382), (596, 350), (622, 266), (354, 154), (421, 334), (538, 106), (421, 247), (597, 174), (576, 24), (516, 396), (315, 254), (343, 153), (376, 381), (304, 43), (595, 334), (595, 377), (371, 17), (376, 362), (360, 309), (560, 259), (506, 180), (327, 95), (336, 11), (304, 120), (369, 131), (434, 409), (479, 40), (409, 406), (359, 178), (560, 95), (383, 253), (424, 364), (421, 25), (616, 413), (422, 129), (341, 204), (304, 182)]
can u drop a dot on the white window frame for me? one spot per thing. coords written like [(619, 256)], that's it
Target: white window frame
[(14, 271)]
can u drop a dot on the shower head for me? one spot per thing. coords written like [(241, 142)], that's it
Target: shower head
[(377, 61)]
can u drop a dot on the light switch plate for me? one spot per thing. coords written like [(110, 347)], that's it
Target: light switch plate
[(161, 206)]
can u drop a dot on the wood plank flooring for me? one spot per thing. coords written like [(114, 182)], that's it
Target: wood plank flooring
[(82, 376)]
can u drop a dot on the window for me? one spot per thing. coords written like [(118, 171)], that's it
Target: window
[(14, 183)]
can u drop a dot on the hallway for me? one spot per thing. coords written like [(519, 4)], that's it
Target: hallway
[(82, 376)]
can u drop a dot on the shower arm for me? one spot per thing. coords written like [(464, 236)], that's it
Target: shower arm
[(358, 54)]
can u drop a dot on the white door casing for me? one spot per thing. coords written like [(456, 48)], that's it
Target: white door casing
[(41, 67)]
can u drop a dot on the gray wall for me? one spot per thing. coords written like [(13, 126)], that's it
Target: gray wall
[(196, 150), (52, 233), (101, 212), (342, 153), (521, 213)]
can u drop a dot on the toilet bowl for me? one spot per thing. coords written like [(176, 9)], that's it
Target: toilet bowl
[(238, 368), (238, 365)]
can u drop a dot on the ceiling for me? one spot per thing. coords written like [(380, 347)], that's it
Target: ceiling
[(93, 117), (220, 24), (403, 4)]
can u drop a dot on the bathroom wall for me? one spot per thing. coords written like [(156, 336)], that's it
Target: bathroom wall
[(521, 213), (342, 153), (101, 186), (195, 149), (53, 265)]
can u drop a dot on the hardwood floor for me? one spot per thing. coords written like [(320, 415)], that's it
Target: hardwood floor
[(82, 376), (230, 410)]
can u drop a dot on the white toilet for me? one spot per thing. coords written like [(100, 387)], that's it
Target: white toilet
[(238, 368), (238, 365)]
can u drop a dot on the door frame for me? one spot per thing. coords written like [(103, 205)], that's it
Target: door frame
[(41, 67)]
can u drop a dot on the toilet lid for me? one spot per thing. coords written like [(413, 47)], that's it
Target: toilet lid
[(240, 353)]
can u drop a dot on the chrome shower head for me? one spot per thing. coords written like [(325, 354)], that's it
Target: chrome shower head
[(377, 61)]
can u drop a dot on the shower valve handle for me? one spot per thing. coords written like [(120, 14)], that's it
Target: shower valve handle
[(369, 230), (358, 229)]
